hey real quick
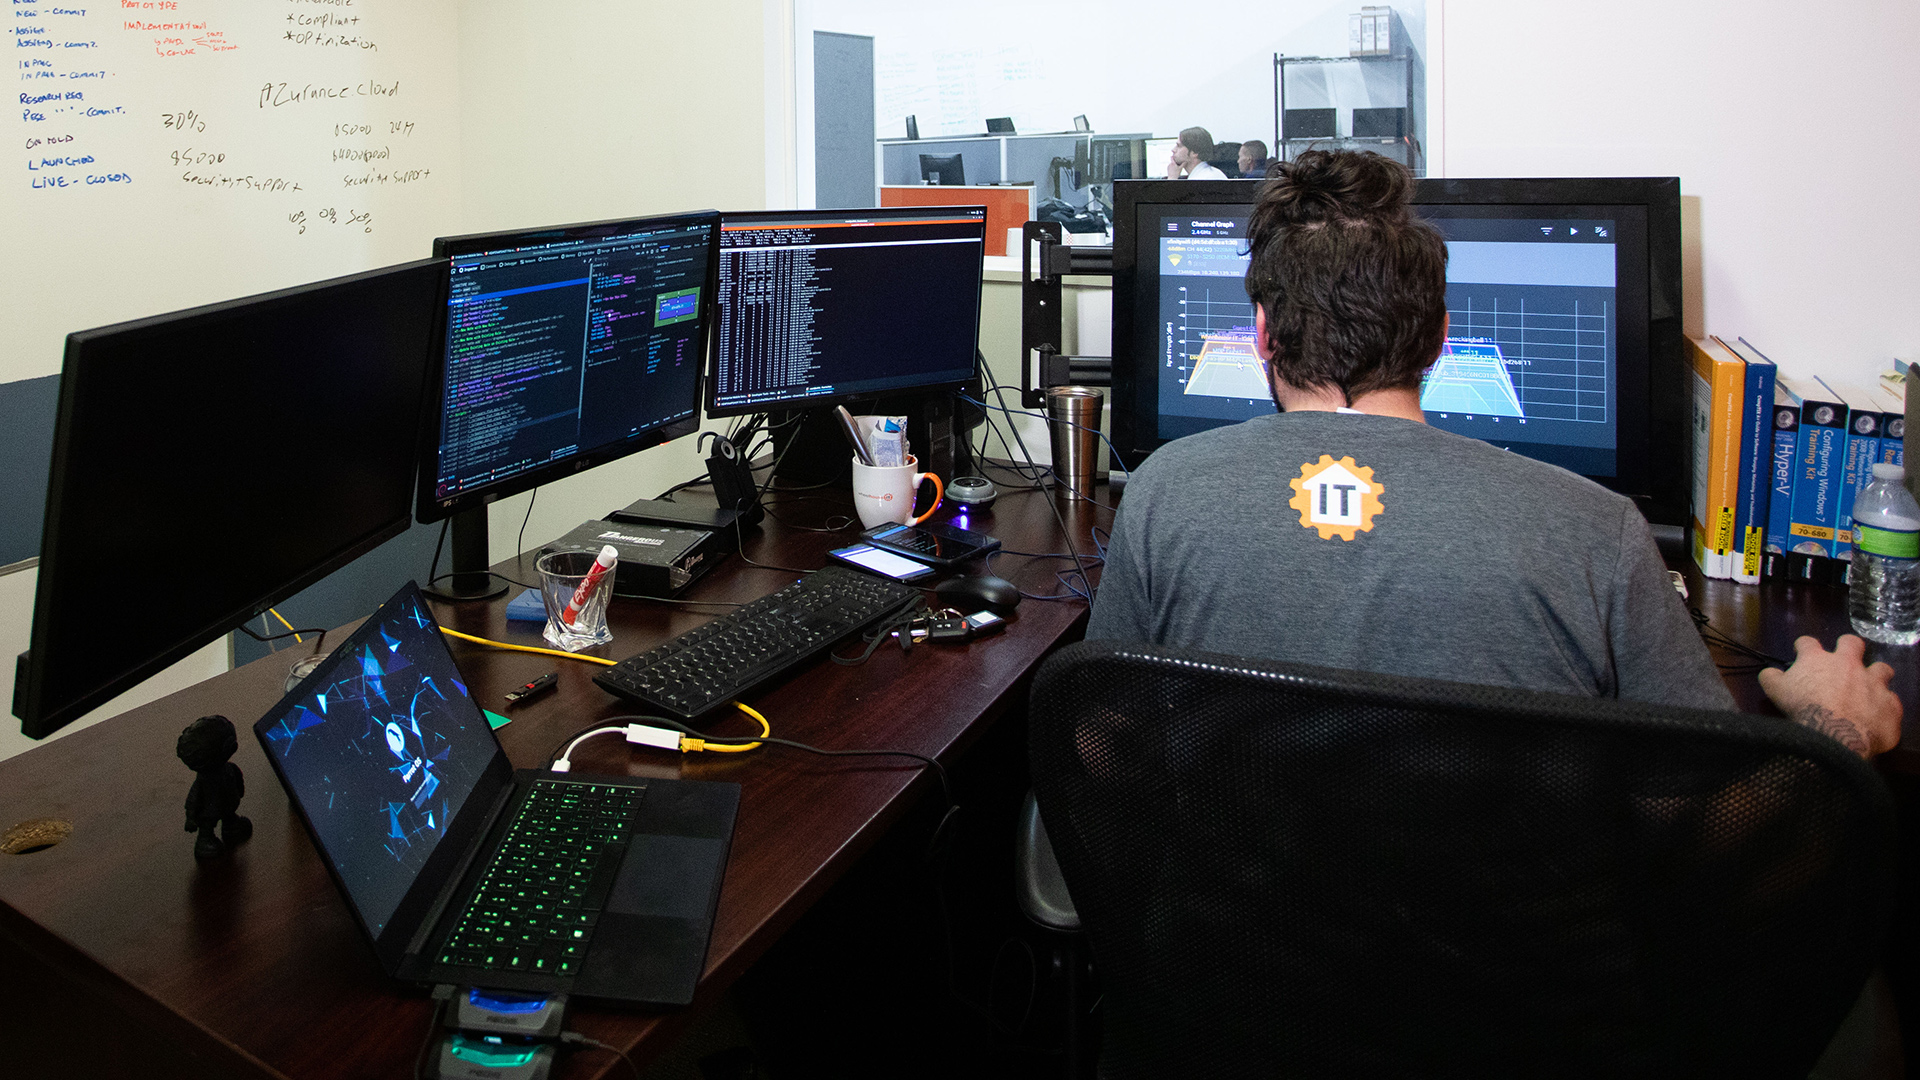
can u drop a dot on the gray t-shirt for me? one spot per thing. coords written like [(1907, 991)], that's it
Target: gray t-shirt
[(1465, 562)]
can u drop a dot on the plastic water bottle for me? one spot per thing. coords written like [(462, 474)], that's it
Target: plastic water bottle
[(1883, 584)]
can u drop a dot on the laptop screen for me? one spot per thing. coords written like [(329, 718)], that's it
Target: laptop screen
[(381, 748)]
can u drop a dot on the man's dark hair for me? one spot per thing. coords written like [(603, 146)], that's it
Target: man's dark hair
[(1198, 140), (1256, 147), (1354, 285)]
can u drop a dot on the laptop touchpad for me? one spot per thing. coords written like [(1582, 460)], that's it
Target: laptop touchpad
[(673, 876)]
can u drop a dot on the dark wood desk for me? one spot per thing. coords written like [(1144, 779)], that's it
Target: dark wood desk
[(123, 957), (1768, 617)]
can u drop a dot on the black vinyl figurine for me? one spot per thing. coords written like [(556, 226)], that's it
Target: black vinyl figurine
[(205, 746)]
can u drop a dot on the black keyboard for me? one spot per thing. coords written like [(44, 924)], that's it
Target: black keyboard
[(535, 907), (711, 665)]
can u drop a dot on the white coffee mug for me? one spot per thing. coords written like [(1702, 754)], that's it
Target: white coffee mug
[(885, 496)]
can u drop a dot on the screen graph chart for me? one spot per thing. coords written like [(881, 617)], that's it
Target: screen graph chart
[(1213, 344), (1532, 360), (1470, 377)]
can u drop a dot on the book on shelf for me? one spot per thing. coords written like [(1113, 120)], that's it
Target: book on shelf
[(1864, 418), (1718, 378), (1755, 463), (1820, 458), (1893, 426), (1786, 439)]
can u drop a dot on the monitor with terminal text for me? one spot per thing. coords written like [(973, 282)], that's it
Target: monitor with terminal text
[(209, 464), (1565, 342), (564, 348), (823, 307)]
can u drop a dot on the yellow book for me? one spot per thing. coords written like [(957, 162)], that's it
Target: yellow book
[(1718, 379)]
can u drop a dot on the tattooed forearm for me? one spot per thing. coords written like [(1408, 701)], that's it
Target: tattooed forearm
[(1822, 720)]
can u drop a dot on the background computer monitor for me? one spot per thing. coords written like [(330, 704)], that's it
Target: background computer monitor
[(1116, 159), (563, 348), (947, 170), (211, 463), (1565, 342), (822, 307)]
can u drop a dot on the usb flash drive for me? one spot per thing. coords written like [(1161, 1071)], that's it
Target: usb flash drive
[(534, 687)]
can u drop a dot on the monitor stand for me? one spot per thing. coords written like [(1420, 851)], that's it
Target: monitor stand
[(470, 579)]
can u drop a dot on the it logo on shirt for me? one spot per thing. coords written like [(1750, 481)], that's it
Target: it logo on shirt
[(1338, 498)]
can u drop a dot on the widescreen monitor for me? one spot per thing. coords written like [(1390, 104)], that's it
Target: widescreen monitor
[(1565, 342), (823, 307), (210, 463), (563, 348)]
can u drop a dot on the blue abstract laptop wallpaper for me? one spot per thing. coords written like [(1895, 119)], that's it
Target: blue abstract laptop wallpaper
[(383, 749)]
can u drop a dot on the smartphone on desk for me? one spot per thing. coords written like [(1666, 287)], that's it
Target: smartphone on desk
[(941, 545), (876, 561)]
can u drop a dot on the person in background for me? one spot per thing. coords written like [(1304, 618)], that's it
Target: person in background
[(1190, 156), (1253, 159)]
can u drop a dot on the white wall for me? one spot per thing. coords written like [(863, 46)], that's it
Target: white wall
[(600, 109), (568, 112), (1803, 231)]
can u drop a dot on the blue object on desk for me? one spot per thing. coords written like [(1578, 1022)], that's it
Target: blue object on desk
[(527, 607)]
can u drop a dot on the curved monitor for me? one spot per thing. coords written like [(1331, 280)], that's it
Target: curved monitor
[(210, 463), (1565, 343), (564, 348), (823, 307)]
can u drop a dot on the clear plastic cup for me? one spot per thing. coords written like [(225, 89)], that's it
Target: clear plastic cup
[(562, 574)]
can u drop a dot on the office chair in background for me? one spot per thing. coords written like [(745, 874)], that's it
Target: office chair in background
[(1291, 870)]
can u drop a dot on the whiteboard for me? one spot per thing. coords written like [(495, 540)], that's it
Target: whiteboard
[(170, 153)]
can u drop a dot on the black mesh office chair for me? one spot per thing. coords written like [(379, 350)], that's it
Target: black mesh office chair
[(1285, 870)]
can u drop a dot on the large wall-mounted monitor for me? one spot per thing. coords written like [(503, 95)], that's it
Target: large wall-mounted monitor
[(564, 348), (822, 307), (211, 463), (1565, 342)]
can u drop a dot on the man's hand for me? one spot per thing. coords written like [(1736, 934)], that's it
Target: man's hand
[(1173, 170), (1837, 694)]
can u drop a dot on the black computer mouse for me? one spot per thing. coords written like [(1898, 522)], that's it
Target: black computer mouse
[(971, 594)]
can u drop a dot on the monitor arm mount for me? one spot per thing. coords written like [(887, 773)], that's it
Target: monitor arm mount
[(1044, 264)]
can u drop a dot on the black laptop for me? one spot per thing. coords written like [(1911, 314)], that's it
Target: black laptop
[(462, 870)]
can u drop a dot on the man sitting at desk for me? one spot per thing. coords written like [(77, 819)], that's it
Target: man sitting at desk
[(1345, 532), (1253, 159), (1190, 154)]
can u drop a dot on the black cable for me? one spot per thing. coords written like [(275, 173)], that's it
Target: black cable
[(1072, 592), (667, 495), (939, 770), (574, 1038), (433, 568), (434, 576), (433, 1028), (877, 636), (682, 603), (1059, 519), (247, 630), (845, 520), (739, 532), (436, 579), (1714, 636), (520, 542), (1112, 451)]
